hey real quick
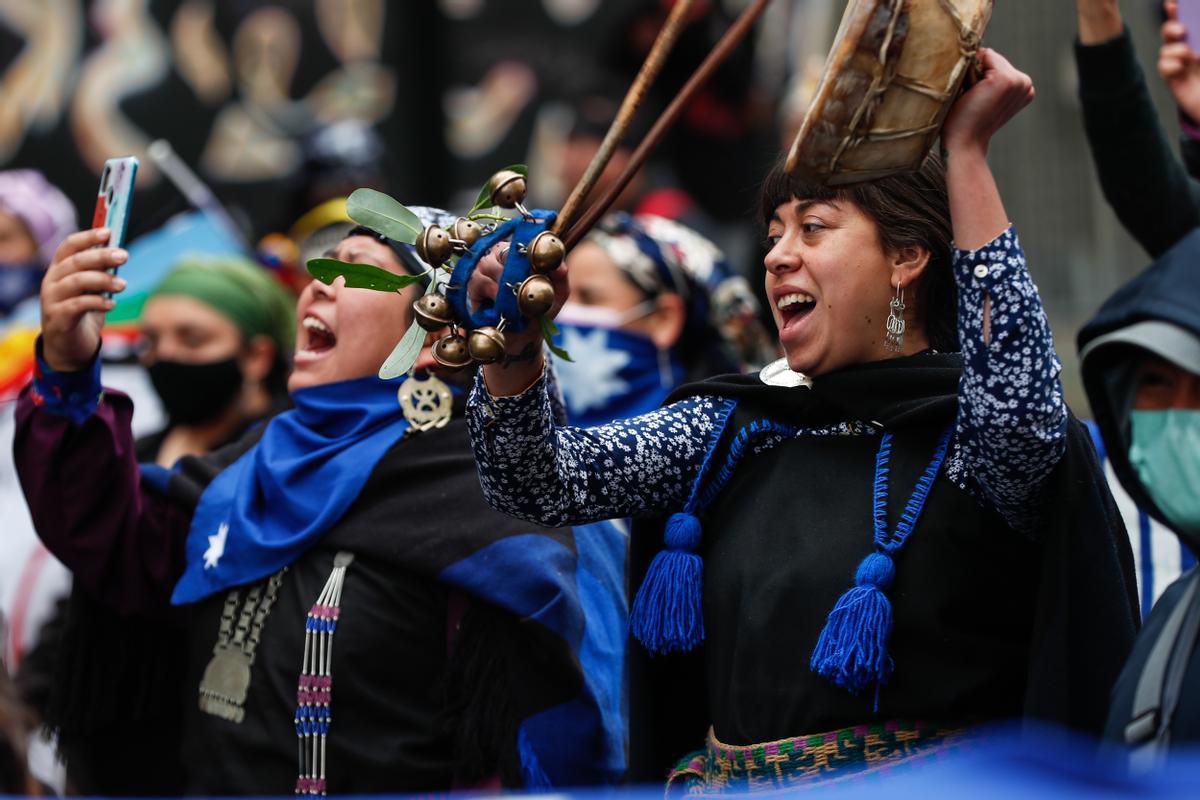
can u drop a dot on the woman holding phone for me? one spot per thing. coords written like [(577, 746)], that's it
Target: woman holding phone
[(352, 519)]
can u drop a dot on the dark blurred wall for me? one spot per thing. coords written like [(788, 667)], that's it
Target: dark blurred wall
[(236, 86)]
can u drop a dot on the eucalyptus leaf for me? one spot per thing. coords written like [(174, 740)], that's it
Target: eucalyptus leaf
[(549, 331), (404, 354), (485, 194), (359, 276), (384, 215)]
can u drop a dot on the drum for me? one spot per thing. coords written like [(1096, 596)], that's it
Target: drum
[(895, 69)]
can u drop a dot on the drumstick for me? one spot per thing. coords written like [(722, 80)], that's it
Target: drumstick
[(633, 98), (720, 52)]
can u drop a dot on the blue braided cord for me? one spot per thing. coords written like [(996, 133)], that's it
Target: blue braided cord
[(745, 437), (715, 437), (456, 292), (879, 507), (916, 503), (516, 270)]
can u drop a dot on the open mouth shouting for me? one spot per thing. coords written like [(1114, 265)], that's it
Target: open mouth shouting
[(793, 305), (317, 339)]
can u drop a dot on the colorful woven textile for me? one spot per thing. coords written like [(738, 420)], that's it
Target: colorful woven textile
[(864, 750)]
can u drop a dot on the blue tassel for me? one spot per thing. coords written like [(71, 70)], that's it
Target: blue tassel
[(532, 774), (852, 651), (668, 614)]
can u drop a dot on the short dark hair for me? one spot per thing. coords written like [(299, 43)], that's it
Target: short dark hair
[(909, 209)]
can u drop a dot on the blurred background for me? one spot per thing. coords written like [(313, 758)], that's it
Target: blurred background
[(278, 105)]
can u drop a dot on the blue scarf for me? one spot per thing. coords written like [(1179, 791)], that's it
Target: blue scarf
[(274, 503)]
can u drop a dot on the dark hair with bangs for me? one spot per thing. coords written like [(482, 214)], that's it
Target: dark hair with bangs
[(911, 209)]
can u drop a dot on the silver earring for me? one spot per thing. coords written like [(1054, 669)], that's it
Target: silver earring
[(894, 340)]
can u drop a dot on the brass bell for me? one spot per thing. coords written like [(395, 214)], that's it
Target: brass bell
[(466, 231), (486, 345), (432, 311), (451, 351), (535, 296), (507, 189), (546, 252), (434, 246)]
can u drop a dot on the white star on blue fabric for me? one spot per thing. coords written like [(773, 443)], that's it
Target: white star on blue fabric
[(593, 377), (216, 546)]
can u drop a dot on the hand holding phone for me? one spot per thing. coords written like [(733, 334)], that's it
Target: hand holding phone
[(77, 288)]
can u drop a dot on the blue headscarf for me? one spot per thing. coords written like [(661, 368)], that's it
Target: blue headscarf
[(272, 504)]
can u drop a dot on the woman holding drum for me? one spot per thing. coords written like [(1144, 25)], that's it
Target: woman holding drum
[(893, 534)]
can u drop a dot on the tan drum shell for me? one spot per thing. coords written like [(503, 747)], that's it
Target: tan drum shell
[(886, 89)]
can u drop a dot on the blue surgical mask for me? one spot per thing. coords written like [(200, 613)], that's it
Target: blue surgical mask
[(18, 282), (1165, 452), (614, 373)]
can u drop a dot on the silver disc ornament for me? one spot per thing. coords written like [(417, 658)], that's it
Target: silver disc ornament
[(426, 402)]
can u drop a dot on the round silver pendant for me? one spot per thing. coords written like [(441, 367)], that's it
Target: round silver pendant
[(426, 402)]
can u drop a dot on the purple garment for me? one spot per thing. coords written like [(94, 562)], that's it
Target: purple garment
[(41, 207), (123, 541)]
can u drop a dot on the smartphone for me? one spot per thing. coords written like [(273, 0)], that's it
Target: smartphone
[(1189, 15), (114, 200)]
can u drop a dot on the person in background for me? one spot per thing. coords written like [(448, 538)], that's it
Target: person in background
[(1153, 196), (1140, 357), (653, 304), (218, 335), (1143, 181), (34, 217)]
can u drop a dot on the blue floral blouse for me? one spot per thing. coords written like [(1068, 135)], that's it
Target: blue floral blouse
[(1009, 434)]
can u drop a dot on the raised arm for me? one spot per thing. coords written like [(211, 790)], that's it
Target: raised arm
[(554, 475), (74, 448), (1142, 179), (1012, 419)]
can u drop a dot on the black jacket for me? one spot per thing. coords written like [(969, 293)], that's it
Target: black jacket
[(1168, 291)]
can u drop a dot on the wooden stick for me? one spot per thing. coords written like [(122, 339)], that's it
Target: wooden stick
[(633, 98), (732, 38)]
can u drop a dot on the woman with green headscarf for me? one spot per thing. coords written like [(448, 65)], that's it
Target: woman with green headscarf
[(217, 333)]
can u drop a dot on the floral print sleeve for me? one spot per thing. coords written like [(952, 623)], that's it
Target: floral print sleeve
[(1010, 430), (556, 475), (1012, 420)]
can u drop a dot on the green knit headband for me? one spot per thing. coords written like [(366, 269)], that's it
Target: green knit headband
[(239, 290)]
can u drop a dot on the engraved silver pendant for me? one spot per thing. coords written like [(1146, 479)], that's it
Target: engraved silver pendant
[(426, 402), (225, 683)]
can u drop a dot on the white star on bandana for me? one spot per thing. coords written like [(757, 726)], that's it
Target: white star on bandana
[(216, 546)]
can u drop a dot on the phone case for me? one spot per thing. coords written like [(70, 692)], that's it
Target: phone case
[(115, 198), (113, 201)]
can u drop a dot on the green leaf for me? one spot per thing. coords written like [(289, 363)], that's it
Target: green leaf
[(549, 331), (404, 355), (485, 194), (384, 215), (359, 276)]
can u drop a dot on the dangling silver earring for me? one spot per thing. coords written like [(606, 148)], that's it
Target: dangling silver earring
[(894, 340)]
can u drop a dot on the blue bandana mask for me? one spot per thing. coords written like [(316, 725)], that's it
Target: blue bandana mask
[(18, 282), (1166, 454), (613, 374)]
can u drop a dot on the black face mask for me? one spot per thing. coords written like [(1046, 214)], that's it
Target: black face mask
[(195, 393)]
